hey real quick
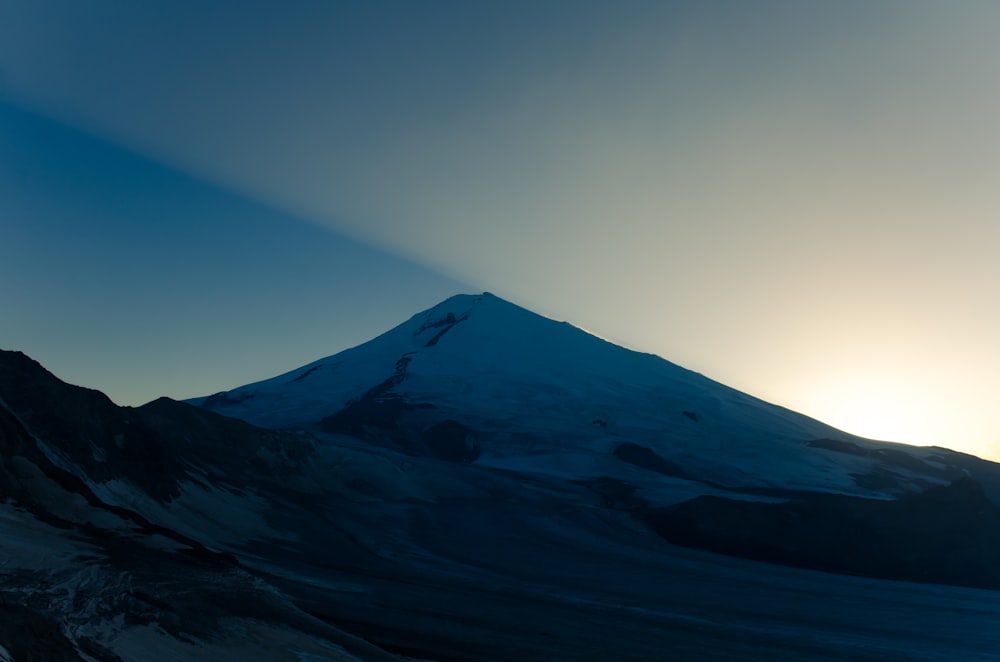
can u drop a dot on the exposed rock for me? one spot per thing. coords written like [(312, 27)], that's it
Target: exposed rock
[(948, 535), (450, 440), (647, 458), (445, 325), (30, 635)]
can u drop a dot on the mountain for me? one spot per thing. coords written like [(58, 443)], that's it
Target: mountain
[(480, 483), (478, 379), (115, 523)]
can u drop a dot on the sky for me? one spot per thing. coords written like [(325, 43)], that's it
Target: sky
[(798, 199)]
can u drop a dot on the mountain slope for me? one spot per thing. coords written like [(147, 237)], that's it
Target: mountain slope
[(480, 483), (476, 378), (116, 526)]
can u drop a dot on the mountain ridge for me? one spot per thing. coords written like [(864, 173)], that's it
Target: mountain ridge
[(527, 388)]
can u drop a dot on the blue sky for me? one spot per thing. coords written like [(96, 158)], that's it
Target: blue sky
[(798, 199), (121, 274)]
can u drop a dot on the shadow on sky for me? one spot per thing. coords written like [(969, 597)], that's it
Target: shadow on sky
[(145, 281)]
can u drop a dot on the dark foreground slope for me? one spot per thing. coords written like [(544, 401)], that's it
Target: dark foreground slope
[(111, 576), (946, 535)]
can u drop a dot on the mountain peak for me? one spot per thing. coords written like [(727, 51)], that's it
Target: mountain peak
[(25, 383), (524, 385), (463, 305), (492, 315)]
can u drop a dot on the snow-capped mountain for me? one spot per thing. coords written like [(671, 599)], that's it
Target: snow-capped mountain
[(480, 483), (477, 378)]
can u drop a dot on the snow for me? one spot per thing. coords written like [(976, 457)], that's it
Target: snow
[(202, 512), (532, 388)]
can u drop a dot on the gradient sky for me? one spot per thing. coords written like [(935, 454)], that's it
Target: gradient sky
[(799, 199)]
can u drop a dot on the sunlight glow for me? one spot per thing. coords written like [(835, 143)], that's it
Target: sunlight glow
[(880, 409), (888, 407)]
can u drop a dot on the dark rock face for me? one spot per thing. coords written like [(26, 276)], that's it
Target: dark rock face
[(151, 446), (450, 440), (57, 439), (80, 422), (647, 458), (948, 535), (30, 635), (443, 325), (225, 398), (891, 458), (382, 417), (376, 414), (386, 422), (615, 493), (113, 567), (218, 444), (376, 420), (901, 472)]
